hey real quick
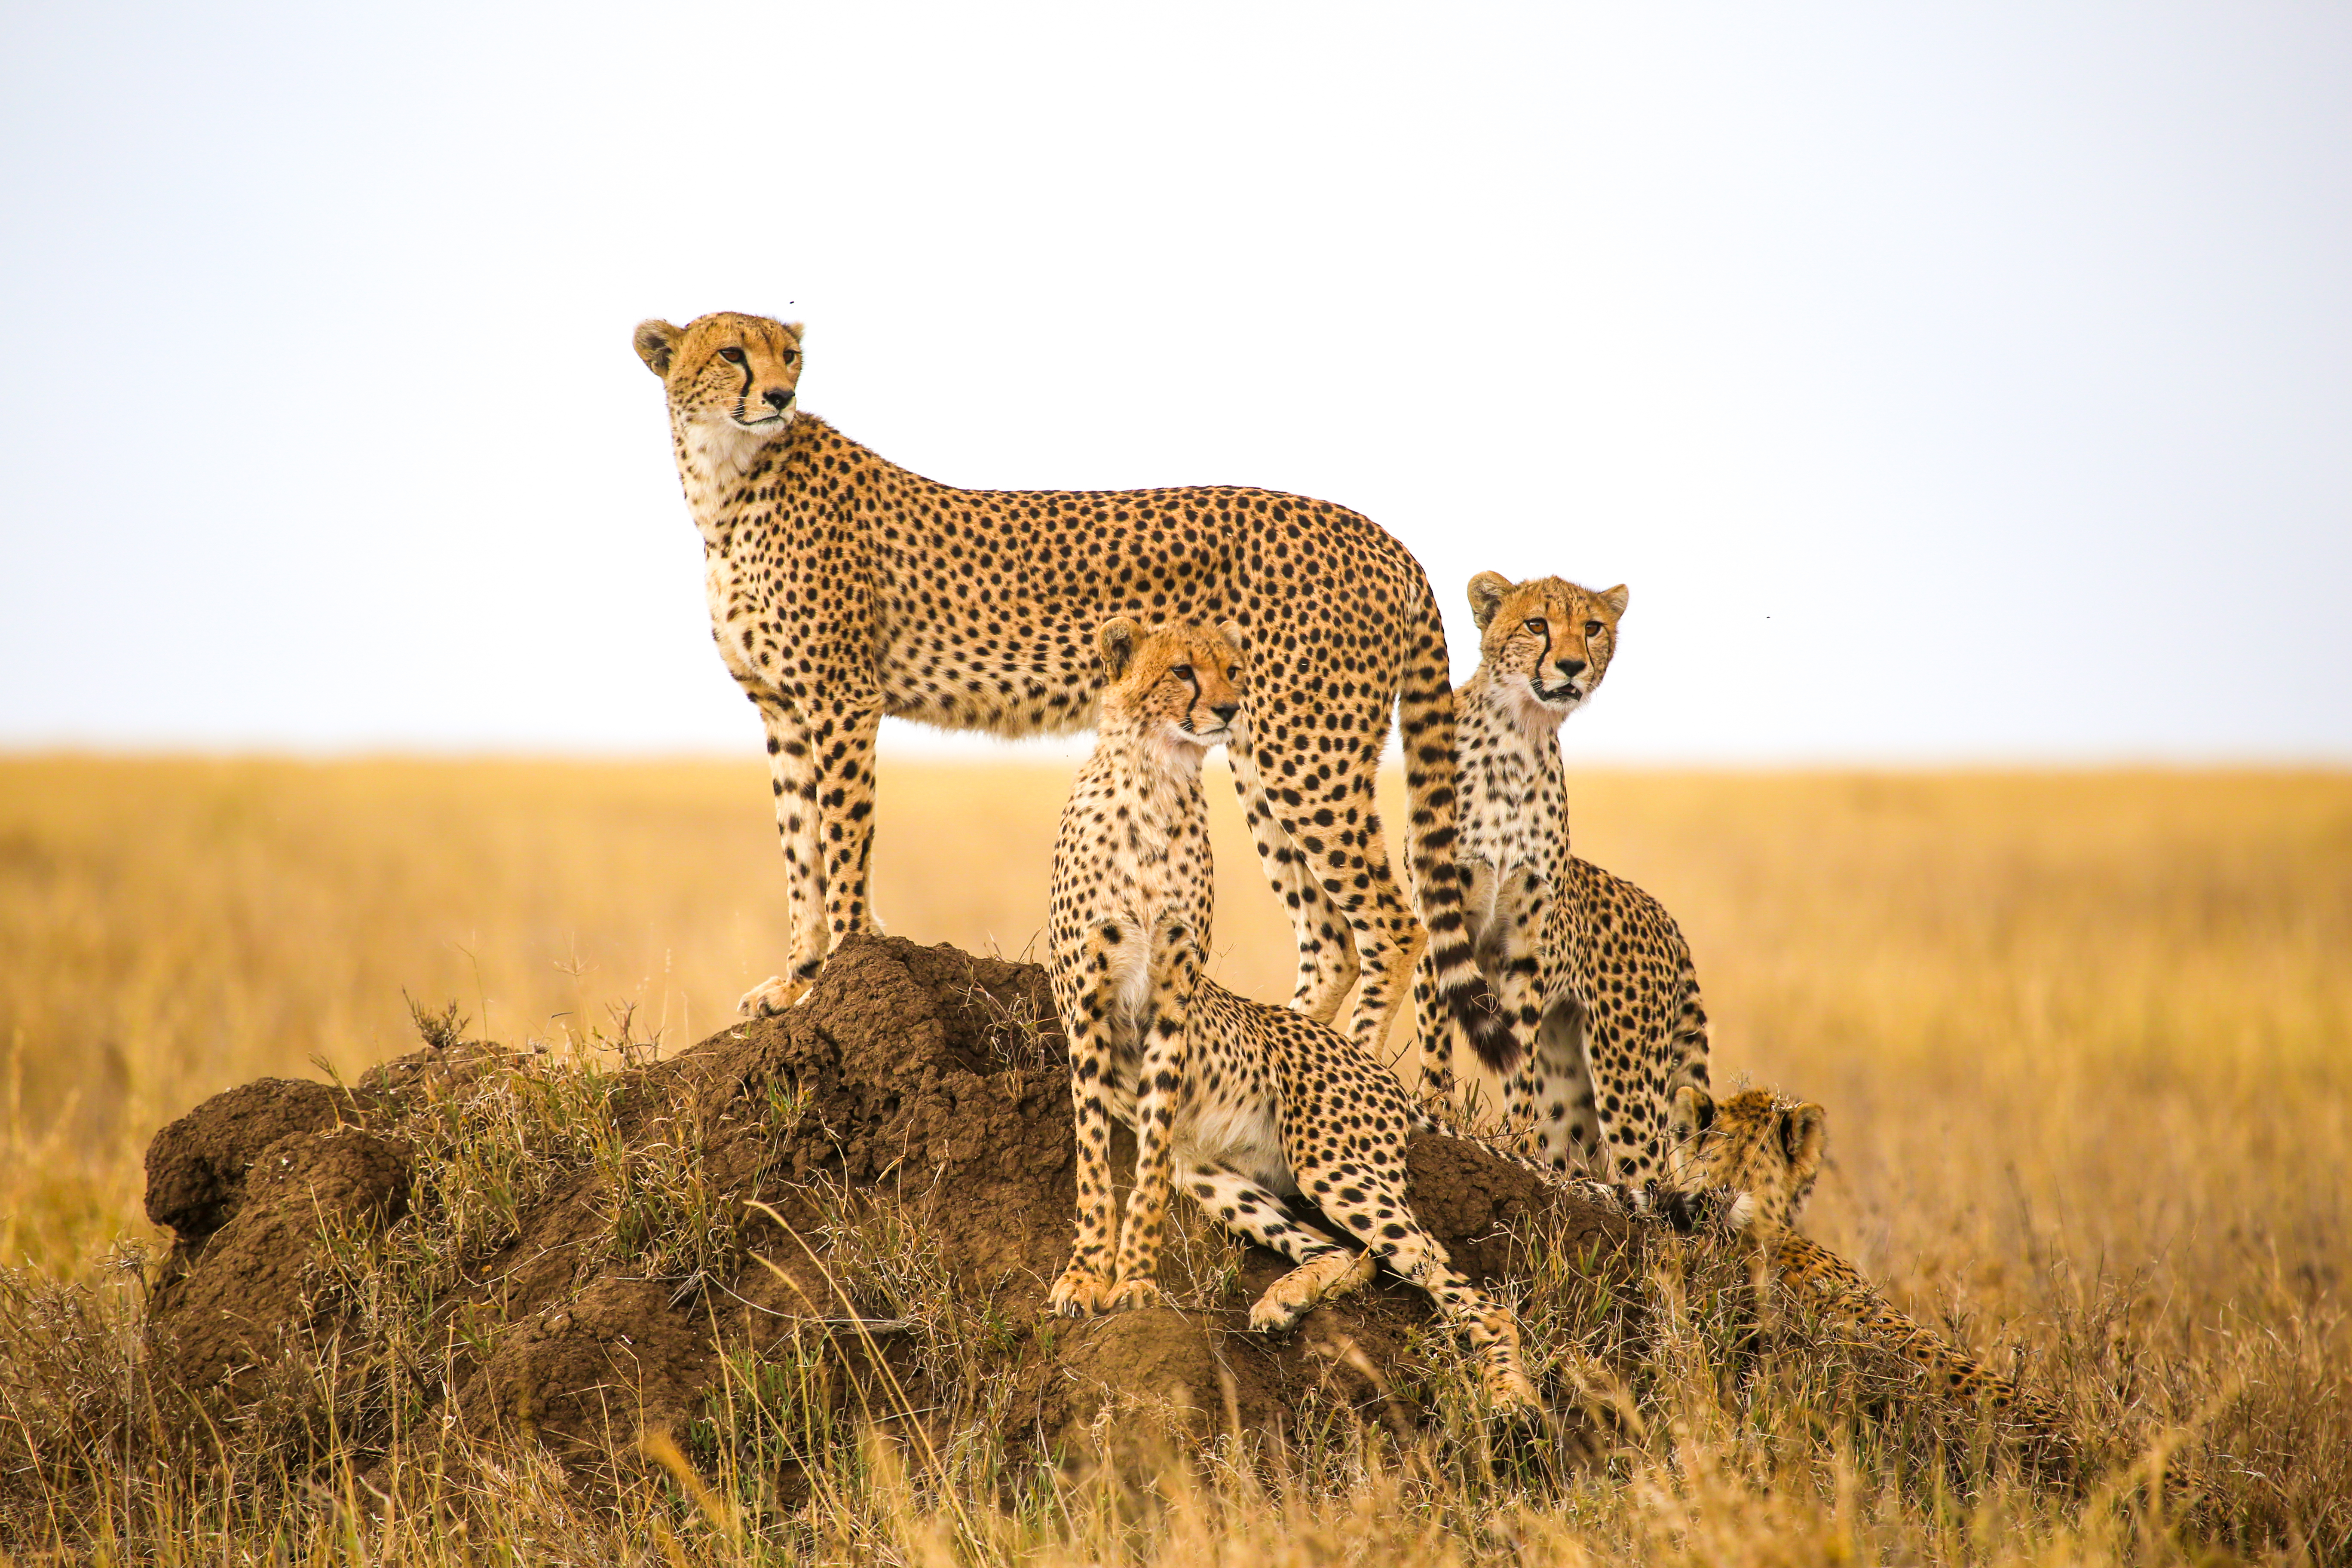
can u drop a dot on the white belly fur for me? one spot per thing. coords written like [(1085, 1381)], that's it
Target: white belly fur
[(1242, 1138)]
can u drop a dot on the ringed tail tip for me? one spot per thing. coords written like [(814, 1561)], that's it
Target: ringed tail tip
[(1490, 1033)]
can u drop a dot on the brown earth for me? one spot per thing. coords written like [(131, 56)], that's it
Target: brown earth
[(916, 1084)]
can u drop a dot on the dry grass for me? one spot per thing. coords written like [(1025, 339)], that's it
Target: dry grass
[(2082, 1039)]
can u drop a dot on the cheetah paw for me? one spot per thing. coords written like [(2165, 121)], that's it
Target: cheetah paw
[(1277, 1312), (1511, 1395), (1134, 1293), (773, 994), (1297, 1293), (1079, 1293)]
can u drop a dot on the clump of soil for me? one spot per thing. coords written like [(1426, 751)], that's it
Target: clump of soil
[(852, 1211)]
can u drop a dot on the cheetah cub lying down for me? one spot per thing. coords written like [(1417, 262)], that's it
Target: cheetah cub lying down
[(1239, 1103), (1771, 1149)]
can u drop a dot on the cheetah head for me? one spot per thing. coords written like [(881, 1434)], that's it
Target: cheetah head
[(1754, 1142), (740, 372), (1544, 644), (1179, 685)]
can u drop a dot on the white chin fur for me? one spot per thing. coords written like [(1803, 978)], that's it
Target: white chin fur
[(1537, 717), (1181, 750), (722, 449)]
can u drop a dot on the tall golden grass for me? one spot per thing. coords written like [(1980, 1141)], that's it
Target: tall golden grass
[(2085, 1038)]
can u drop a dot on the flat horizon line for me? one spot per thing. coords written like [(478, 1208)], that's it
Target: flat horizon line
[(1031, 754)]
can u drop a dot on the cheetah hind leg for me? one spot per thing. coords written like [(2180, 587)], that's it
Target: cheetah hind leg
[(1324, 1269), (1326, 947), (1349, 858), (1433, 1032), (1379, 1215), (1550, 1095)]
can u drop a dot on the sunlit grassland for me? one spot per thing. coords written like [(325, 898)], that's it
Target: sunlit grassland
[(2084, 1039)]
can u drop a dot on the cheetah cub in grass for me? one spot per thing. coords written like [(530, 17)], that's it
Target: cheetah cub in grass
[(1771, 1148), (1593, 975), (1238, 1103)]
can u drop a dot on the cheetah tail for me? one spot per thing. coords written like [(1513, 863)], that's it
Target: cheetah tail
[(1425, 728)]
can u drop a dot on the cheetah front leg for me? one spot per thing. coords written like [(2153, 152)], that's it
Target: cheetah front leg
[(1522, 905), (842, 747), (791, 776), (1087, 986), (1510, 951), (1175, 975)]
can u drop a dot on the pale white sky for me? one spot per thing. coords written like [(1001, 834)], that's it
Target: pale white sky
[(1948, 382)]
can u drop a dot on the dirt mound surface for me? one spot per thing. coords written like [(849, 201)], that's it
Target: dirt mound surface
[(865, 1198)]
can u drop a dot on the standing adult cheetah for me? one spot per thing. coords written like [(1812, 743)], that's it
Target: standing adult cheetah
[(1240, 1104), (843, 587), (1594, 976)]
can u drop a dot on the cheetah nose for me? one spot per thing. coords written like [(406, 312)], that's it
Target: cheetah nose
[(777, 397), (1225, 711), (1571, 666)]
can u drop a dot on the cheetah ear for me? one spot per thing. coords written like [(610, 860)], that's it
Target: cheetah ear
[(1615, 598), (1804, 1138), (1116, 642), (656, 341), (1692, 1114), (798, 330), (1232, 632), (1486, 591)]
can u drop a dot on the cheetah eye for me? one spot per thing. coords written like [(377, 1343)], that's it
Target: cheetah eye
[(1181, 672), (1535, 624), (733, 356), (791, 356), (1592, 628)]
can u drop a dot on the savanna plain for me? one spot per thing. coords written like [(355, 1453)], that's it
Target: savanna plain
[(2085, 1040)]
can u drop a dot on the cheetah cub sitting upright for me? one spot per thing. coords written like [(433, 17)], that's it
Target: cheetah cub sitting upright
[(1771, 1149), (1239, 1103), (1593, 975)]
